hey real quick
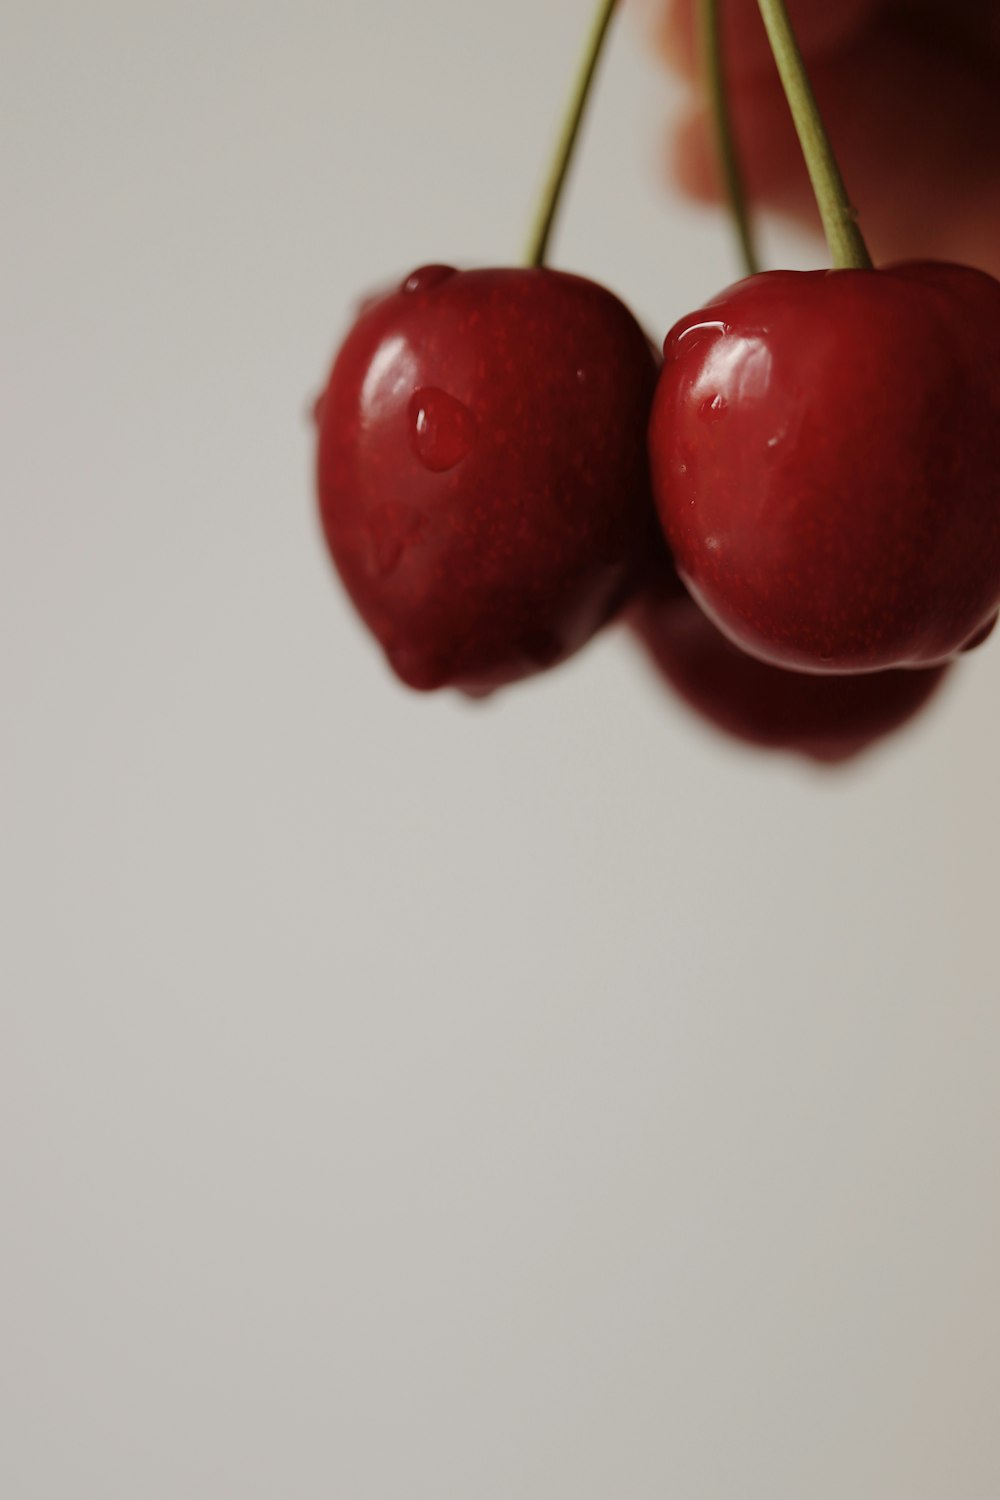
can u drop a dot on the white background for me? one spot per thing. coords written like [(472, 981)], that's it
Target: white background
[(402, 1099)]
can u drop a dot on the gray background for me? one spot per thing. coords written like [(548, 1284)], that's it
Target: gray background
[(403, 1100)]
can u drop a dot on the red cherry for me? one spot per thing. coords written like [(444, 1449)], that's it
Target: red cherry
[(483, 479), (828, 719), (826, 463)]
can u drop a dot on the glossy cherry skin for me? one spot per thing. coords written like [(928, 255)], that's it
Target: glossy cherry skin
[(826, 464), (824, 718), (482, 470)]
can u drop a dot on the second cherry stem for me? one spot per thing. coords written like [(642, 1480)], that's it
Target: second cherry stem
[(713, 61), (847, 247)]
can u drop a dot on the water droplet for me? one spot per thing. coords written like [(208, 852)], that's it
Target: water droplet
[(427, 277), (691, 336), (713, 407), (581, 376), (444, 430)]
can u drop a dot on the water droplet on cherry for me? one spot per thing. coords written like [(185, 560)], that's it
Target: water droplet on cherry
[(425, 278), (713, 407), (691, 335), (444, 430)]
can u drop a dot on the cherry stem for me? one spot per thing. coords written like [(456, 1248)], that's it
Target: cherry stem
[(541, 233), (847, 247), (725, 140)]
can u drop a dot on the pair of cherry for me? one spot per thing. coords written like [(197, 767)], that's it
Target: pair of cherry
[(823, 460), (797, 508)]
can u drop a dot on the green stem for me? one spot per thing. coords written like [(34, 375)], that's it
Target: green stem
[(729, 162), (552, 193), (847, 247)]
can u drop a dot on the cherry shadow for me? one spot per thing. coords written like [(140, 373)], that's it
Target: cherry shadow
[(829, 720)]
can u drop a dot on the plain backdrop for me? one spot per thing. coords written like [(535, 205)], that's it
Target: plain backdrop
[(402, 1099)]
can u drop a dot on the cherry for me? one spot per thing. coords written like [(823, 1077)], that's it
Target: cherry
[(826, 463), (483, 479), (482, 471), (827, 719), (824, 444)]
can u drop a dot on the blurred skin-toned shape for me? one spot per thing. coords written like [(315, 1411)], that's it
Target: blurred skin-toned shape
[(910, 91)]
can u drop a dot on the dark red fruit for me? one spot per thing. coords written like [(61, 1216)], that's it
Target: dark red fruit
[(826, 463), (828, 719), (483, 478)]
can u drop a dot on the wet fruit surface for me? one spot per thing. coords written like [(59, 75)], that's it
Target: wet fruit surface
[(482, 470), (826, 462)]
